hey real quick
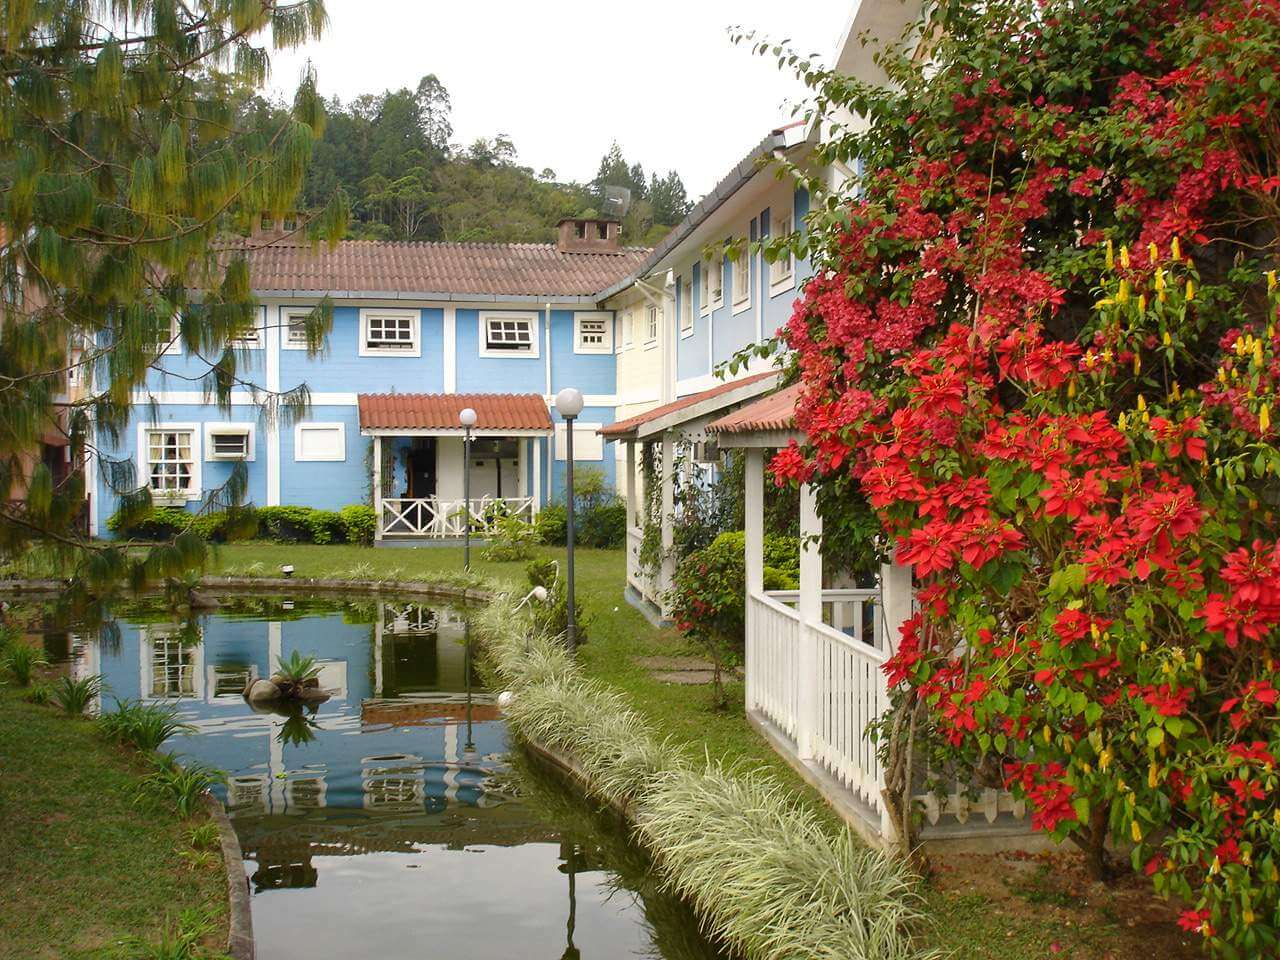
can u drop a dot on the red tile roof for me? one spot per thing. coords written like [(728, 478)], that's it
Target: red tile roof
[(494, 269), (632, 424), (495, 412), (774, 412)]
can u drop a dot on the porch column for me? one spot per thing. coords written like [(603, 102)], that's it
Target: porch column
[(668, 518), (535, 444), (895, 600), (377, 487), (754, 559), (522, 484), (810, 610), (629, 485)]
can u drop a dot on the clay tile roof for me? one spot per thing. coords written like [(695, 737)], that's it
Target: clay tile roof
[(632, 424), (493, 269), (774, 412), (495, 412)]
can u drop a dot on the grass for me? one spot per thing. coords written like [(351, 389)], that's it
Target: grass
[(968, 924), (87, 872)]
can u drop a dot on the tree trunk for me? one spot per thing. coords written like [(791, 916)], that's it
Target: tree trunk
[(1093, 843)]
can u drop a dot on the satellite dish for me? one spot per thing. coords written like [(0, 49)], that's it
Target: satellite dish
[(617, 201)]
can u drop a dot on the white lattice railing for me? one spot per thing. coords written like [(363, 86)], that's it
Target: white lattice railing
[(433, 517), (645, 582)]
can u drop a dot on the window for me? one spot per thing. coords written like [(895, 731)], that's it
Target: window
[(742, 279), (509, 334), (252, 340), (172, 665), (165, 336), (593, 333), (587, 442), (782, 270), (169, 460), (628, 329), (294, 324), (686, 308), (319, 442), (389, 332), (229, 441), (653, 316), (712, 285)]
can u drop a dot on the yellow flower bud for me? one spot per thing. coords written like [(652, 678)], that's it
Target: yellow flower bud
[(1199, 660), (1071, 388), (1257, 353), (1124, 257), (1215, 868), (1122, 423), (1048, 734), (1271, 280), (1222, 374), (1154, 251), (1143, 646), (1111, 255), (1191, 291), (1153, 776), (1137, 364), (1168, 340), (1104, 759), (1142, 402), (1136, 829), (1122, 295), (1264, 418), (1176, 249), (1142, 303), (1247, 915)]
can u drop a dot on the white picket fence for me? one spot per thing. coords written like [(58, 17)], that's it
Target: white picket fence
[(436, 518)]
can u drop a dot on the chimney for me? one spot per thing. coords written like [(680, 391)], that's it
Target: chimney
[(583, 235)]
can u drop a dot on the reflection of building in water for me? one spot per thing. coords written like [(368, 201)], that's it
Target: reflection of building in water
[(283, 867), (394, 782), (172, 668)]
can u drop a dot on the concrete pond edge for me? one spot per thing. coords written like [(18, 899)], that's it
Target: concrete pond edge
[(240, 943)]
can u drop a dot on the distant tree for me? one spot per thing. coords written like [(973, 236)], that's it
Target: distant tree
[(669, 199)]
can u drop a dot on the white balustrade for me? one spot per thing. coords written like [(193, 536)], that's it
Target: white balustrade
[(436, 518), (773, 650)]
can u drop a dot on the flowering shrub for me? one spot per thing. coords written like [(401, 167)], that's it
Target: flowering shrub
[(1042, 345)]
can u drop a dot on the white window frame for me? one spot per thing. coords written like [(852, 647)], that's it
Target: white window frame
[(606, 333), (686, 307), (414, 349), (628, 328), (256, 340), (286, 318), (741, 267), (192, 666), (498, 315), (301, 428), (246, 430), (709, 302), (782, 273), (174, 343), (195, 488), (590, 452)]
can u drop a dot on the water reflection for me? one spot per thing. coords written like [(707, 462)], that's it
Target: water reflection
[(392, 820)]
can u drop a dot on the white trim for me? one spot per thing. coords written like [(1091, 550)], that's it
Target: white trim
[(601, 317), (654, 318), (449, 344), (195, 488), (247, 430), (537, 474), (301, 428), (706, 304), (272, 343), (686, 307), (239, 398), (589, 399), (628, 329), (415, 329), (483, 331), (741, 265), (259, 340), (286, 315)]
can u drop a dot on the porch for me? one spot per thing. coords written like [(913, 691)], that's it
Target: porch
[(815, 658), (419, 458)]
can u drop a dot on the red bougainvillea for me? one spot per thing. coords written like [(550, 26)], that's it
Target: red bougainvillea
[(1042, 342)]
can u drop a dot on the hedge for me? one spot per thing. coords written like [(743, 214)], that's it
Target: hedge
[(351, 524)]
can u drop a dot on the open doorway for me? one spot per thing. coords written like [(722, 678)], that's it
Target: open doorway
[(421, 464)]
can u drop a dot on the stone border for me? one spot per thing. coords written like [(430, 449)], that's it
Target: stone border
[(417, 588), (240, 944)]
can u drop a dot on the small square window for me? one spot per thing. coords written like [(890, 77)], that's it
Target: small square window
[(170, 462), (593, 333), (389, 332), (320, 442), (509, 334), (252, 339), (294, 323), (230, 446), (164, 336)]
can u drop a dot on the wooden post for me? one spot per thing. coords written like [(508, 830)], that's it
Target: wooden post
[(629, 484), (754, 560), (668, 518), (895, 600), (377, 487), (810, 610)]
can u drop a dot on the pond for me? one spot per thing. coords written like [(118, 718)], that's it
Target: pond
[(399, 820)]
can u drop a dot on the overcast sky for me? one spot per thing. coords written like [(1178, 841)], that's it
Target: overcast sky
[(563, 78)]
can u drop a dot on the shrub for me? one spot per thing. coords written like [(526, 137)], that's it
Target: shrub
[(542, 573), (184, 785), (159, 523), (359, 523), (551, 619), (552, 525), (301, 525), (510, 538), (21, 661), (604, 525), (145, 725), (75, 696)]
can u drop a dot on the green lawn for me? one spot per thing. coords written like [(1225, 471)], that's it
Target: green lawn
[(989, 921), (82, 866)]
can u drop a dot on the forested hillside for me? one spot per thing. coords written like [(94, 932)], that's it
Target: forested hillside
[(391, 153)]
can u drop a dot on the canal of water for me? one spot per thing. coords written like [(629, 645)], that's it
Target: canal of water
[(398, 820)]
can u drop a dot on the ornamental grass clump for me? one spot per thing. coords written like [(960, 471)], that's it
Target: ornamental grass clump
[(766, 877), (144, 725)]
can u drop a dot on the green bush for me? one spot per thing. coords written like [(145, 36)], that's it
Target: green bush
[(542, 573), (358, 523), (552, 525), (165, 523), (604, 525), (301, 525), (510, 538)]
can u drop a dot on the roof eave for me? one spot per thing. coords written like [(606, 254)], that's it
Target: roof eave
[(436, 296)]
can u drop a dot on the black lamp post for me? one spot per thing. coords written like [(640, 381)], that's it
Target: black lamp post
[(569, 404), (468, 420)]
